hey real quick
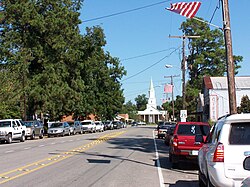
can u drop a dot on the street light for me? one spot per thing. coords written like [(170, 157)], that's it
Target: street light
[(183, 69)]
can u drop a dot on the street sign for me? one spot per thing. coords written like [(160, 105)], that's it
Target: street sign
[(183, 115)]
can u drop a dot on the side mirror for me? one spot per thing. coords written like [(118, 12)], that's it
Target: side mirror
[(199, 138), (246, 163)]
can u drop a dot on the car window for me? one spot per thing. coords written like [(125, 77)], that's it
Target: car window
[(216, 132), (55, 125), (164, 127), (28, 123), (5, 123), (193, 129), (86, 123), (240, 134)]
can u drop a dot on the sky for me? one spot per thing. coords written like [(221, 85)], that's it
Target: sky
[(137, 32)]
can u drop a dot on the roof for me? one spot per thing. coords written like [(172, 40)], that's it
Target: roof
[(220, 83), (148, 111)]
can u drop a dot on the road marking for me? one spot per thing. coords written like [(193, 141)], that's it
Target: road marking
[(158, 164), (10, 151), (27, 148), (29, 168), (41, 145)]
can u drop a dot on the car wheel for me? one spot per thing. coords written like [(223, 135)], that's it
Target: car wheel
[(170, 157), (9, 139), (22, 139), (32, 136), (209, 184), (41, 135), (201, 183)]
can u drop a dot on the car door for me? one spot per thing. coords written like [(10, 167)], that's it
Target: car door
[(237, 149), (37, 127), (17, 129)]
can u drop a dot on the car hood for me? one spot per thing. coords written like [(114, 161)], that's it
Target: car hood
[(56, 128)]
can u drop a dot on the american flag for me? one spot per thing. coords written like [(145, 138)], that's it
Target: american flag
[(168, 88), (185, 9)]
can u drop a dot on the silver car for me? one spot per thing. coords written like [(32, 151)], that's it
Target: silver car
[(75, 127), (34, 128), (59, 129)]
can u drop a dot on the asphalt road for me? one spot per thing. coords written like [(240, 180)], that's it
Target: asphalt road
[(128, 157)]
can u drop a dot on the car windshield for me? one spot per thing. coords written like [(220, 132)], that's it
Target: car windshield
[(164, 127), (5, 123), (240, 134), (193, 129), (71, 124), (28, 123), (86, 123), (56, 125)]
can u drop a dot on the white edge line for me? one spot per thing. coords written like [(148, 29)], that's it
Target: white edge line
[(158, 164)]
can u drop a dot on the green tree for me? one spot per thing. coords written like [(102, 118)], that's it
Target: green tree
[(141, 102), (130, 109), (57, 70), (207, 57), (244, 105)]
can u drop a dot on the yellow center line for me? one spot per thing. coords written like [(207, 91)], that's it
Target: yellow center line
[(18, 172)]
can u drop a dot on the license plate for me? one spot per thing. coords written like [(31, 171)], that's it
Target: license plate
[(194, 152)]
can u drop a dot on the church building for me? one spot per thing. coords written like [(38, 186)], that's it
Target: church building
[(151, 114)]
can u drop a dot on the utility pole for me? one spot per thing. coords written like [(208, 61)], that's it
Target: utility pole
[(183, 67), (229, 58), (172, 83)]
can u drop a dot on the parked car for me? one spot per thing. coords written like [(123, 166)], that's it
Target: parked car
[(246, 166), (88, 126), (108, 125), (99, 126), (182, 146), (75, 127), (59, 129), (163, 129), (134, 123), (226, 148), (169, 133), (34, 128), (117, 124), (12, 129)]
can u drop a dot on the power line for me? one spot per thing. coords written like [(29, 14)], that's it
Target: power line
[(124, 12), (151, 65), (147, 54), (216, 8)]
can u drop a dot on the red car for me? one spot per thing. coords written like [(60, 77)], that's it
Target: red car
[(183, 146)]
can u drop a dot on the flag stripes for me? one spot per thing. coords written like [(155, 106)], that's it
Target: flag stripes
[(185, 9)]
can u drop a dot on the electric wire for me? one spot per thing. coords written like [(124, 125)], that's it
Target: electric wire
[(147, 54), (151, 65), (216, 8), (124, 12)]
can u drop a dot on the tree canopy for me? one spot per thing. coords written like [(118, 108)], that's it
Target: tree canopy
[(207, 57), (49, 67)]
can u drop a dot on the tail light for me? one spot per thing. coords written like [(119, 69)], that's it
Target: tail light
[(175, 141), (219, 153)]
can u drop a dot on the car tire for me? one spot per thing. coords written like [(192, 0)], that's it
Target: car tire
[(22, 139), (9, 139), (32, 137), (201, 183), (41, 135), (209, 184)]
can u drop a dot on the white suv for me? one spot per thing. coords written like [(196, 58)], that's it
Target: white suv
[(88, 126), (222, 156)]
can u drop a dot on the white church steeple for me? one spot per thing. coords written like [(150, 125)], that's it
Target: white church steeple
[(152, 98)]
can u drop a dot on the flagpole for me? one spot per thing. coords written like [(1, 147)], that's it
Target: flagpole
[(207, 22)]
